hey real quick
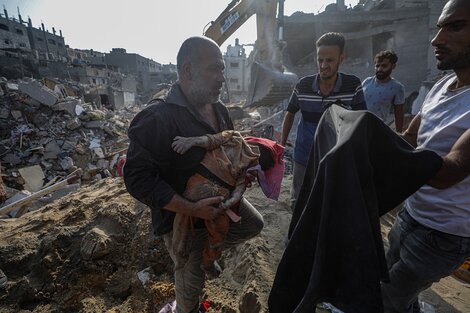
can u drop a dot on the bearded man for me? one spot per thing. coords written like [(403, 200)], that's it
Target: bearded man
[(156, 175), (382, 91), (431, 236)]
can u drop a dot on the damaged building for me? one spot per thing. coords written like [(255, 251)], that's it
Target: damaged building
[(20, 36), (405, 26)]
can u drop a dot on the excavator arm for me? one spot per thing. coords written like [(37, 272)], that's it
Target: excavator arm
[(270, 83)]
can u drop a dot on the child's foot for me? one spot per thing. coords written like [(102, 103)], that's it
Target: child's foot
[(212, 270)]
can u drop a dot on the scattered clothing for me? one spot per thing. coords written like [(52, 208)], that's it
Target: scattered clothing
[(358, 170)]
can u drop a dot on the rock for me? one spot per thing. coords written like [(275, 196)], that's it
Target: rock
[(95, 244)]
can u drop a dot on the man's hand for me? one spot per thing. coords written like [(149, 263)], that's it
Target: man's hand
[(208, 209)]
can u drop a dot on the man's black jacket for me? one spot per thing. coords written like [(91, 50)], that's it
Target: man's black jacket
[(153, 172), (358, 170)]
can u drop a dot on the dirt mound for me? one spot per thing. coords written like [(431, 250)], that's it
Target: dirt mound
[(92, 251)]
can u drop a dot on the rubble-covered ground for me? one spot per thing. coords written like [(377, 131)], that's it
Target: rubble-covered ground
[(92, 250), (86, 251)]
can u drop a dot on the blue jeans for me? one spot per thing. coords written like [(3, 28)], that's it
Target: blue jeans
[(418, 257)]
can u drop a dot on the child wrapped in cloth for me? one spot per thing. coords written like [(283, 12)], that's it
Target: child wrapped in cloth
[(225, 164)]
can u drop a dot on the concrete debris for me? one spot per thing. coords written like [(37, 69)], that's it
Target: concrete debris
[(3, 193), (39, 93), (33, 177), (95, 244), (48, 131), (145, 275)]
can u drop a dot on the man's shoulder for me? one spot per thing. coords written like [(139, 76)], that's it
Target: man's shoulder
[(397, 83), (155, 109), (349, 82), (368, 80), (305, 84)]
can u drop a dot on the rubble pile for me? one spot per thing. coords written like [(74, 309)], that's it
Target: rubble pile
[(48, 133)]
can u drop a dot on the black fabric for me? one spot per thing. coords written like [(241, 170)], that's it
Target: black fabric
[(153, 172), (358, 170)]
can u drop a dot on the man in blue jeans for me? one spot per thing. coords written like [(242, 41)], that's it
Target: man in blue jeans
[(431, 236)]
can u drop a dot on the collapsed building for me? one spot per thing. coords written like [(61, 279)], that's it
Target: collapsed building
[(405, 26)]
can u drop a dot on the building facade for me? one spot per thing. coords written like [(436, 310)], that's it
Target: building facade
[(237, 72)]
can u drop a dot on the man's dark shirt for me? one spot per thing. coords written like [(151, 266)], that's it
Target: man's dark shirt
[(153, 172)]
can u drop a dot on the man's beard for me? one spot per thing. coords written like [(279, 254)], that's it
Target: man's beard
[(461, 60), (383, 75), (199, 94)]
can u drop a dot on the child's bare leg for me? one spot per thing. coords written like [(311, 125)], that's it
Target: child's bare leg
[(236, 194), (235, 197)]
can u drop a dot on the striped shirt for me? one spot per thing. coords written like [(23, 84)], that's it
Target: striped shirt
[(308, 98)]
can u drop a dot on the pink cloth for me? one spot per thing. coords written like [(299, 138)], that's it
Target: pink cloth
[(270, 180)]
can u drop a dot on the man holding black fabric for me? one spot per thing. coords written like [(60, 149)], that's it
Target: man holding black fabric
[(431, 236)]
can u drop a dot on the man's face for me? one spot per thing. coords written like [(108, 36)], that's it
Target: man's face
[(207, 77), (328, 60), (452, 42), (383, 69)]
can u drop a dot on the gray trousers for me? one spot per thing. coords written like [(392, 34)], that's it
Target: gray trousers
[(418, 257), (297, 180), (189, 278)]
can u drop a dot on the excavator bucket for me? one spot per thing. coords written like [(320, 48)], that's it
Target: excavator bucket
[(269, 86)]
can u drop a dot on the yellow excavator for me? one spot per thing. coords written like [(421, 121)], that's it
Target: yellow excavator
[(270, 82)]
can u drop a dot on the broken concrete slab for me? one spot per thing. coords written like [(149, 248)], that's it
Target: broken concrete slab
[(52, 149), (66, 163), (17, 115), (12, 86), (39, 93), (33, 177), (21, 194), (94, 124), (98, 153), (66, 106)]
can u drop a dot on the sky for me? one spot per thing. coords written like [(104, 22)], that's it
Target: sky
[(152, 28)]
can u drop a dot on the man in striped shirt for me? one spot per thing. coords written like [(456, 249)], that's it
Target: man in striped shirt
[(311, 94)]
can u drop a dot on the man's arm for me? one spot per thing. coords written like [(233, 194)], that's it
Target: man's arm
[(359, 101), (456, 164), (286, 127), (398, 111), (411, 133)]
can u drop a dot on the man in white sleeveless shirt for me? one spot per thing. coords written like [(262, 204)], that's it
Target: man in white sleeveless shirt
[(431, 236)]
